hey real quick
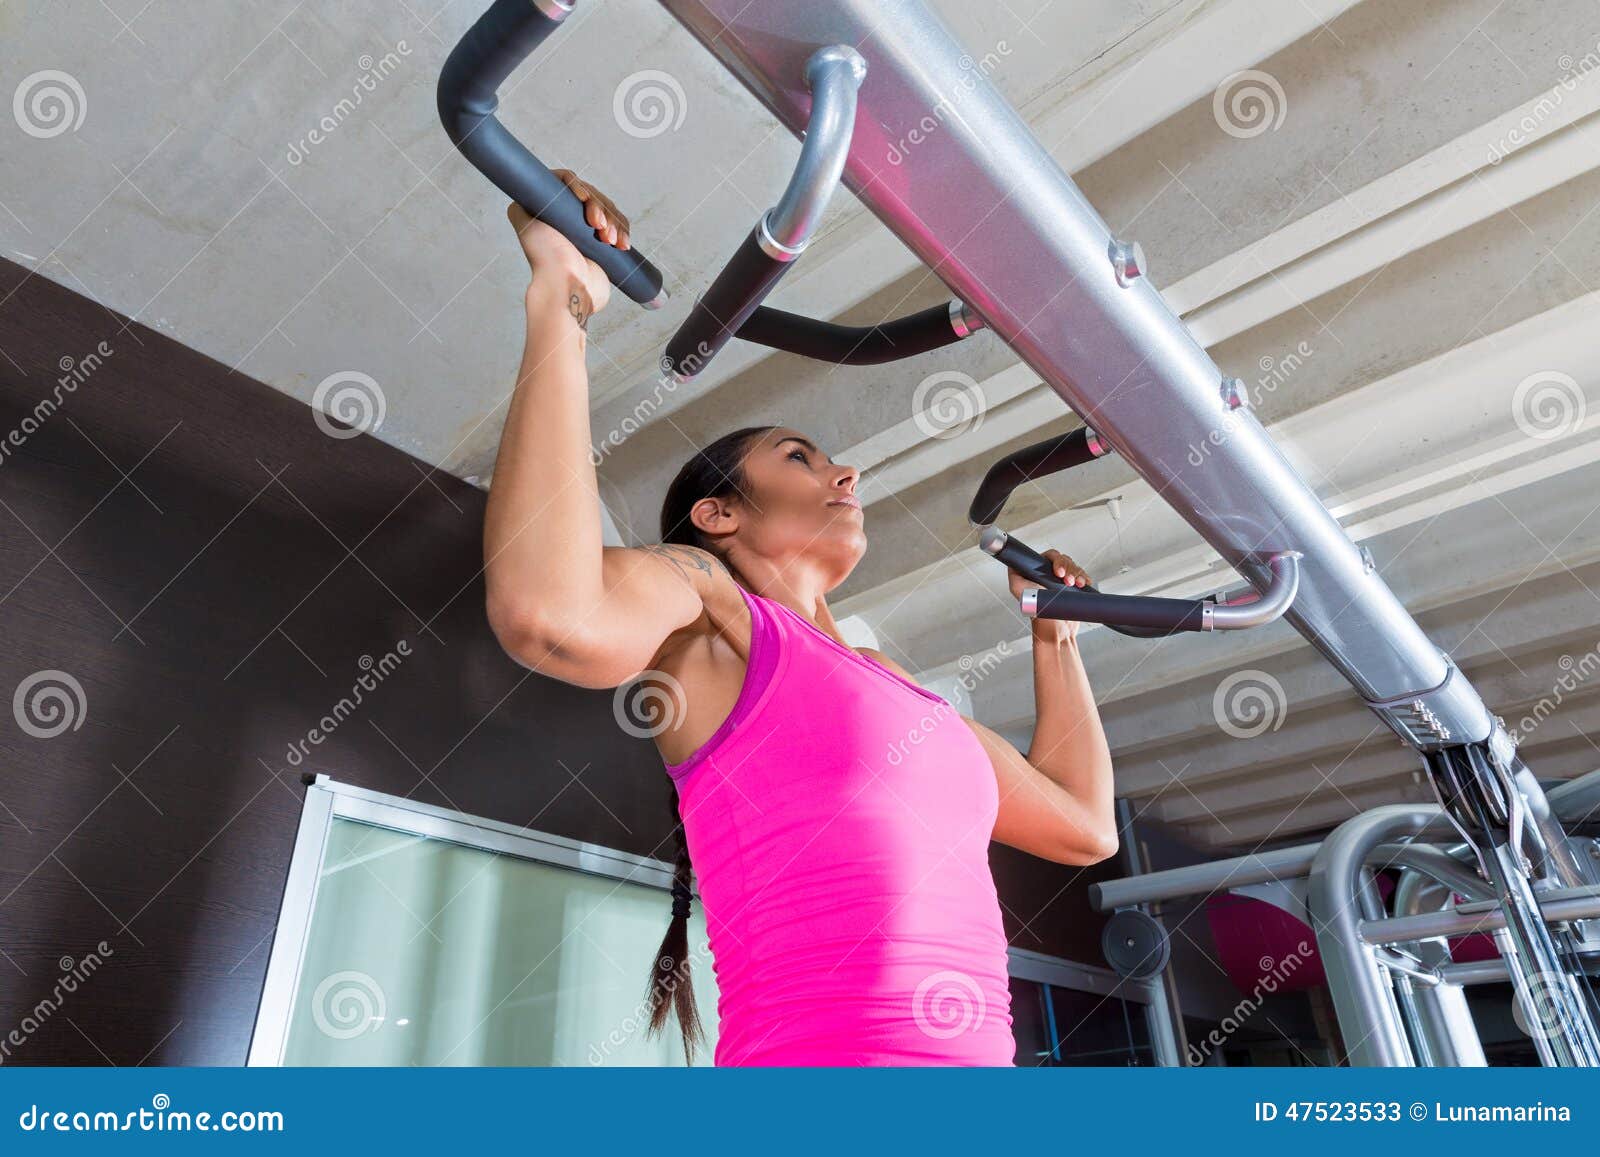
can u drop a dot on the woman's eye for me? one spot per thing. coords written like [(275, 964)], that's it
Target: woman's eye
[(801, 454)]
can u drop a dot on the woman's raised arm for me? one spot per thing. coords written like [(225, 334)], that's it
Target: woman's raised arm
[(557, 600)]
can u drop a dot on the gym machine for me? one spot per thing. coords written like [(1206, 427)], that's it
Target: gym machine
[(1396, 992), (986, 207)]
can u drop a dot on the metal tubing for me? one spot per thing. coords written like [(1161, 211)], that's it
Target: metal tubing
[(1556, 906), (1281, 864), (833, 74), (979, 199), (1577, 802), (1442, 1019), (1165, 1026), (1358, 983), (1546, 991), (1275, 601)]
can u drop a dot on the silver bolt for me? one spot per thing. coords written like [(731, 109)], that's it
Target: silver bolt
[(1127, 259), (1368, 563), (1234, 395)]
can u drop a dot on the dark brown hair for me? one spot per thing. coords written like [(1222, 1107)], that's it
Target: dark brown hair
[(717, 471)]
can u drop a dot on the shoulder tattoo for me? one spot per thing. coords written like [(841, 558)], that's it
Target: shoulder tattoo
[(686, 559)]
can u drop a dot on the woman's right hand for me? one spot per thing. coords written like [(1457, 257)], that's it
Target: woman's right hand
[(555, 261)]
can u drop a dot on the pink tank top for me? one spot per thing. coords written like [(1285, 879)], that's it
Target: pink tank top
[(839, 823)]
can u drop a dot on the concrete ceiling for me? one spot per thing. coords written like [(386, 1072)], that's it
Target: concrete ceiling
[(1403, 255)]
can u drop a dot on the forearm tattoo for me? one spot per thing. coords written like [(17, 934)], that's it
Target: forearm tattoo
[(579, 310)]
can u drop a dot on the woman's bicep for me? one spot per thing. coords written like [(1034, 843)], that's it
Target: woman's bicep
[(646, 594)]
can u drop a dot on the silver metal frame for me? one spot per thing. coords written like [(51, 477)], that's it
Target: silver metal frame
[(1390, 973)]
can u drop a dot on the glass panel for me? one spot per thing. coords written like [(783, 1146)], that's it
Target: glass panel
[(1057, 1026), (424, 952)]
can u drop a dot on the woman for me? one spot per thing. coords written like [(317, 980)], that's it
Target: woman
[(838, 814)]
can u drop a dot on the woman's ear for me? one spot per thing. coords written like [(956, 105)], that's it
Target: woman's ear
[(713, 517)]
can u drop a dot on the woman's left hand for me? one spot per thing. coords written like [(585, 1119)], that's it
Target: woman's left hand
[(1067, 572)]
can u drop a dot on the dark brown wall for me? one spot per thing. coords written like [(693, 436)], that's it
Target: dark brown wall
[(211, 568)]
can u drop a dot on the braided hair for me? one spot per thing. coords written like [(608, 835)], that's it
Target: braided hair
[(717, 471)]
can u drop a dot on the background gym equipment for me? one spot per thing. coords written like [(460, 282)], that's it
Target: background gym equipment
[(985, 206), (1396, 991)]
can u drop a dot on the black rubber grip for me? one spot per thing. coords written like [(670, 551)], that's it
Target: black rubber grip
[(724, 307), (851, 345), (502, 38), (1036, 461), (1126, 616), (1142, 611)]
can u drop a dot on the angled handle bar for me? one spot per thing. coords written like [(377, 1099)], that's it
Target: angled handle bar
[(1142, 616), (503, 38)]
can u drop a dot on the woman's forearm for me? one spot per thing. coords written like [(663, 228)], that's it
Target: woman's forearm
[(542, 540), (1069, 744)]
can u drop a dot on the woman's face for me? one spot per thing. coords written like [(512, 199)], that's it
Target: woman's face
[(799, 502)]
